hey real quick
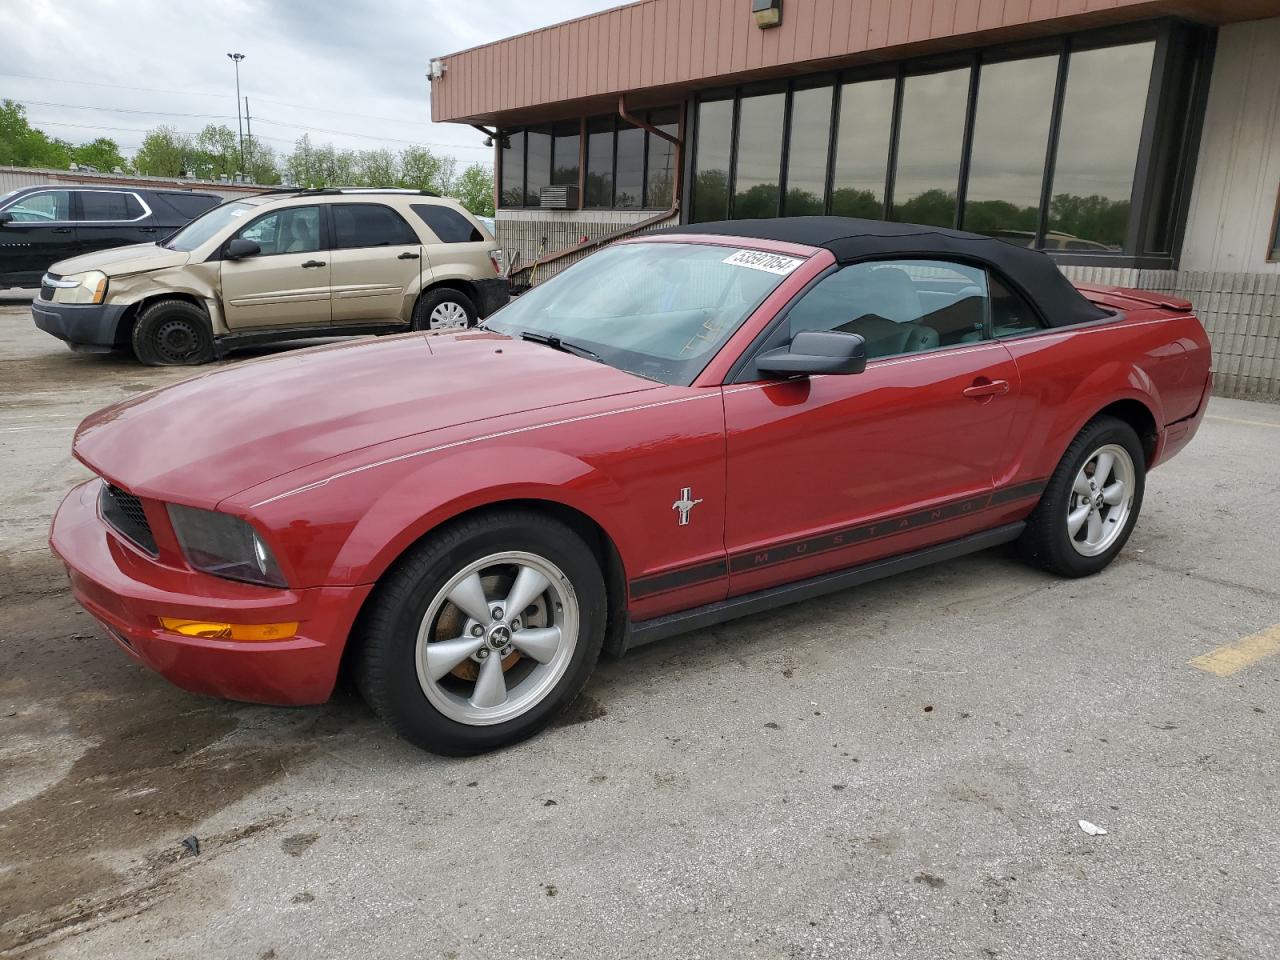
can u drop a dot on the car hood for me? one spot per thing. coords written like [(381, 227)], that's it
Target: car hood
[(120, 261), (205, 439)]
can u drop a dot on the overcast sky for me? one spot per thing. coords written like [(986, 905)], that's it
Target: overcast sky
[(351, 73)]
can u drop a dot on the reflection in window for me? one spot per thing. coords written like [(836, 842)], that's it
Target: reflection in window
[(1098, 149), (513, 169), (1275, 241), (755, 185), (564, 157), (660, 176), (1010, 142), (807, 152), (600, 162), (930, 146), (629, 181), (537, 165), (711, 161), (862, 149)]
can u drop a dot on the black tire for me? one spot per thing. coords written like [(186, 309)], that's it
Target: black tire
[(435, 298), (385, 658), (1046, 541), (172, 333)]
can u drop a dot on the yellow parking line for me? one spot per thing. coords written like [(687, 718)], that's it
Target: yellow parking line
[(1234, 657), (1251, 423)]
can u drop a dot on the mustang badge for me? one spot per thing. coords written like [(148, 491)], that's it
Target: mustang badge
[(685, 505)]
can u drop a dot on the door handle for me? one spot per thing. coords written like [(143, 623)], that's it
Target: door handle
[(146, 229), (313, 263), (983, 389), (61, 229), (408, 256)]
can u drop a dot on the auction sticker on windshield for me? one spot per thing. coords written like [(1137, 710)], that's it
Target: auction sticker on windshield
[(768, 262)]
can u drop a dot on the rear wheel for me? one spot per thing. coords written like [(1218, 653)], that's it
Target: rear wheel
[(172, 333), (482, 633), (1091, 502), (444, 309)]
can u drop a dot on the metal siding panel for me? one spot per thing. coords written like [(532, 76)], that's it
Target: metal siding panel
[(920, 22), (966, 18), (990, 14), (755, 42), (878, 26), (682, 41), (740, 39), (615, 28), (1017, 11), (857, 34), (944, 20), (788, 34), (1043, 9), (821, 41), (725, 37), (899, 23)]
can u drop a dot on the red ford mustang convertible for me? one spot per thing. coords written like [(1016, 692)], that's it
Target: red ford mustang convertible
[(681, 429)]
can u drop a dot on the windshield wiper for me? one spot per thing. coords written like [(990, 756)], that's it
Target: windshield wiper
[(565, 346)]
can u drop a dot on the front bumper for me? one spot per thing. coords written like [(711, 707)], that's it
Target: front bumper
[(79, 324), (491, 294), (127, 591)]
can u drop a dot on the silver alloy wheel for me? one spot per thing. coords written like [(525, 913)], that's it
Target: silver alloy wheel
[(1101, 500), (510, 618), (447, 315)]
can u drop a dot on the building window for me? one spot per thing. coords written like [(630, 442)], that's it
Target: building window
[(1078, 145), (931, 147), (864, 130), (627, 167), (1275, 235), (599, 162), (1010, 146), (759, 157), (565, 147), (808, 147), (712, 156), (1102, 115), (512, 162), (660, 162)]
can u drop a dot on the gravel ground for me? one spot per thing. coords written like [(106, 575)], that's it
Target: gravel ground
[(894, 771)]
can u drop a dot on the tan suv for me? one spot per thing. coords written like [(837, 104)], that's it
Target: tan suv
[(280, 266)]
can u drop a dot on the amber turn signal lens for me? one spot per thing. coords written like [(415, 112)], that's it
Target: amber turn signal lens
[(214, 630)]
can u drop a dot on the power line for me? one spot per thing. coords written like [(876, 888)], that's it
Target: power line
[(152, 113), (347, 133), (196, 93)]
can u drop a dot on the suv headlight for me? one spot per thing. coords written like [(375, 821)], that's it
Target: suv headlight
[(225, 546), (90, 287)]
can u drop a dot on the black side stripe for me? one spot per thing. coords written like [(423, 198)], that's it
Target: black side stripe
[(835, 540)]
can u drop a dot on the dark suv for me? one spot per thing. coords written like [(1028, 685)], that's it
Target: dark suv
[(41, 225)]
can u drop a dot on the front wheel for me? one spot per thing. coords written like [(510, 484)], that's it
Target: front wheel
[(1091, 502), (172, 333), (482, 633)]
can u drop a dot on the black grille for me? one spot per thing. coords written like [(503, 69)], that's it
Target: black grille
[(124, 512), (46, 291)]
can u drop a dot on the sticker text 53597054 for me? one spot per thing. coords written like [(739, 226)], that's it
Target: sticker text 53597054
[(768, 262)]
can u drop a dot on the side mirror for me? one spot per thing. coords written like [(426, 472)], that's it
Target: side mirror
[(815, 352), (240, 248), (5, 219)]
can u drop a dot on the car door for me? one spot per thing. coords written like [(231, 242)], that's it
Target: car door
[(286, 284), (38, 232), (111, 218), (377, 264), (827, 472)]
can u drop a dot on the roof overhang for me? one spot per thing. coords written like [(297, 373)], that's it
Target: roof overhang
[(658, 51)]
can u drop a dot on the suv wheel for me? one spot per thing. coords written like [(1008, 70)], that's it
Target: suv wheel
[(172, 333), (444, 309), (480, 635)]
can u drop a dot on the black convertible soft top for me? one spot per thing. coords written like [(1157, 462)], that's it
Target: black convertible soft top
[(849, 240)]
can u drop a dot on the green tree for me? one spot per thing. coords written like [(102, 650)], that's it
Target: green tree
[(217, 152), (165, 153), (101, 154), (323, 166), (260, 163), (22, 145), (474, 190), (376, 168), (420, 169)]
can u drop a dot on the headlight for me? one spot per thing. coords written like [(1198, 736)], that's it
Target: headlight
[(88, 287), (225, 546)]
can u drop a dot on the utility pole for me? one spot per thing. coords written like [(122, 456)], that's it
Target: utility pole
[(237, 57), (248, 133)]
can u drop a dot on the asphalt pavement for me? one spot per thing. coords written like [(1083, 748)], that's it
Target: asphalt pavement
[(894, 771)]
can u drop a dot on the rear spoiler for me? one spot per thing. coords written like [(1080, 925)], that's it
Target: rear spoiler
[(1138, 299)]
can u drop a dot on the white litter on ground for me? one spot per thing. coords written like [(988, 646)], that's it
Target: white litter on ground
[(1092, 829)]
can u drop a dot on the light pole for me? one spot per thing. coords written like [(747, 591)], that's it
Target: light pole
[(237, 57)]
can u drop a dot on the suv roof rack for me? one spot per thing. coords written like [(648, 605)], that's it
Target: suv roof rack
[(342, 191)]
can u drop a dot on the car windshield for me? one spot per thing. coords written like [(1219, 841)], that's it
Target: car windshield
[(658, 310), (203, 228)]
